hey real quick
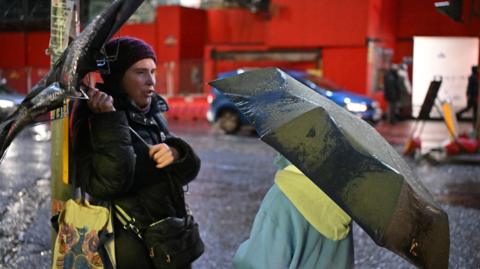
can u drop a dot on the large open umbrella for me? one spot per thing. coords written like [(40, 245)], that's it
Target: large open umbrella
[(83, 55), (348, 160)]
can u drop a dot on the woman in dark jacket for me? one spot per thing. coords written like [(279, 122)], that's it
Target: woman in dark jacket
[(113, 164)]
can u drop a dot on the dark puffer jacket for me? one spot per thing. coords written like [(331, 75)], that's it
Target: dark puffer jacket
[(112, 164)]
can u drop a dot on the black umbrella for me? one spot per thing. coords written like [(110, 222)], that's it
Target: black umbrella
[(347, 159), (83, 55)]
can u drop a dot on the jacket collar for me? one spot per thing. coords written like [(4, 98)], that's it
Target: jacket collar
[(158, 106)]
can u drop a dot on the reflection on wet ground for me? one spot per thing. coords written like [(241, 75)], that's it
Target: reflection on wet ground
[(454, 183), (464, 194), (25, 204)]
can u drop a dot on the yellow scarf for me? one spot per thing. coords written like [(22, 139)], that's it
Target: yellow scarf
[(315, 206)]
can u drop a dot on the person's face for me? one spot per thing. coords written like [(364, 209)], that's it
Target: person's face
[(139, 82)]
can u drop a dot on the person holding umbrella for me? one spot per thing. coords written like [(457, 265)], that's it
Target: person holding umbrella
[(297, 226), (124, 152), (345, 158)]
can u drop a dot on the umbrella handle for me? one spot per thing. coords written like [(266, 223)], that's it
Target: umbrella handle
[(139, 137)]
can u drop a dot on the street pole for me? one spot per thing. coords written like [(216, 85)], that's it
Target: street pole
[(63, 25)]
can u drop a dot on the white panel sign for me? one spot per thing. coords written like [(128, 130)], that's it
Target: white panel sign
[(448, 57)]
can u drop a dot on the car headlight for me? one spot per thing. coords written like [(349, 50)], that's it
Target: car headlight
[(210, 98), (6, 104), (356, 107)]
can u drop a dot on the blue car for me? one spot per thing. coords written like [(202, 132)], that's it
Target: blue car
[(229, 119)]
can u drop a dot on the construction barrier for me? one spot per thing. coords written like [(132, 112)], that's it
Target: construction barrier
[(187, 108)]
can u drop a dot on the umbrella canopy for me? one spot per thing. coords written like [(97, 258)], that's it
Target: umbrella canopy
[(348, 160), (83, 55)]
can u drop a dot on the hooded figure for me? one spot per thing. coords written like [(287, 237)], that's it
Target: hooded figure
[(111, 164), (297, 226)]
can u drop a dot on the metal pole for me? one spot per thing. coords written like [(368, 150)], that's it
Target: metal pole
[(63, 16)]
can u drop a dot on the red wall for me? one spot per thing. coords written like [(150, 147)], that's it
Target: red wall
[(23, 57), (227, 26), (144, 31), (346, 67), (12, 46), (340, 28), (37, 44), (403, 48), (180, 33), (382, 21), (420, 18), (193, 33), (315, 23), (168, 33)]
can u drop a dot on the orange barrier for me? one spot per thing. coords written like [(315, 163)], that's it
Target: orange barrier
[(190, 108)]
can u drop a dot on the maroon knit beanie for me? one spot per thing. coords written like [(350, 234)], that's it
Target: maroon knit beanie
[(122, 53)]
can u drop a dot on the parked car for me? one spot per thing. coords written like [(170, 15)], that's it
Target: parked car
[(9, 101), (229, 119)]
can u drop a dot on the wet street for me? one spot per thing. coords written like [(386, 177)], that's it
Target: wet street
[(236, 172)]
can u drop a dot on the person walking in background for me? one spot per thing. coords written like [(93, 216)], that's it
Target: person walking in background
[(124, 152), (297, 226), (472, 95), (404, 78), (404, 109), (391, 92)]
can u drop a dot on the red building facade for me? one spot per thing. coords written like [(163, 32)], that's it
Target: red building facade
[(346, 41)]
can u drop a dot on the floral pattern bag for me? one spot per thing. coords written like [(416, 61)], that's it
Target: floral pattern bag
[(84, 238)]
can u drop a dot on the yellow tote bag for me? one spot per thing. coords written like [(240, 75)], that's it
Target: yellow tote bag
[(85, 231)]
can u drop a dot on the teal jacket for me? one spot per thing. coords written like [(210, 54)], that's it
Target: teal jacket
[(282, 238)]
